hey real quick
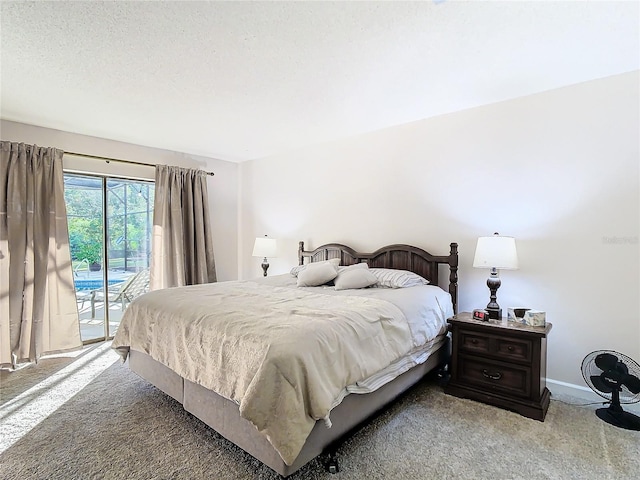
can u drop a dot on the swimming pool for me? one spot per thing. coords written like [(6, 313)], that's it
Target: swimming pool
[(93, 284)]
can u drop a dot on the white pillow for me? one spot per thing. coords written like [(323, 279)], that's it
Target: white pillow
[(296, 270), (355, 265), (354, 276), (317, 274), (391, 278)]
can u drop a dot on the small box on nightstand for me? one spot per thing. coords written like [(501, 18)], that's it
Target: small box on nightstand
[(528, 316)]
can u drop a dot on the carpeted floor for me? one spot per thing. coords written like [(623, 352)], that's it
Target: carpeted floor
[(119, 427)]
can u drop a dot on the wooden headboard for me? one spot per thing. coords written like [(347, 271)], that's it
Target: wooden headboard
[(400, 257)]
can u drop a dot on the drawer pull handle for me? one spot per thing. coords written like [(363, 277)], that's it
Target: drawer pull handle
[(474, 341), (491, 376), (510, 348)]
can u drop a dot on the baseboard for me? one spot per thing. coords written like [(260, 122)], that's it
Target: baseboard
[(580, 392)]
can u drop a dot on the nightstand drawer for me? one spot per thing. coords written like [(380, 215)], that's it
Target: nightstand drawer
[(514, 349), (491, 376), (499, 347), (474, 342)]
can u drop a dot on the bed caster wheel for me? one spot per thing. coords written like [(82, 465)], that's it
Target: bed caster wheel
[(443, 376), (331, 464), (443, 379)]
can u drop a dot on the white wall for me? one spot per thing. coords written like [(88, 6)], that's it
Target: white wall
[(223, 187), (557, 170)]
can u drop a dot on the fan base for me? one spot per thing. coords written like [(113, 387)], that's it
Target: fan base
[(625, 420)]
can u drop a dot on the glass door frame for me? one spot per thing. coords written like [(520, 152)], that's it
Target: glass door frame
[(104, 178), (105, 262)]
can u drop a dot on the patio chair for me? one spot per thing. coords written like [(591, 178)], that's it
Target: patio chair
[(83, 296), (125, 292)]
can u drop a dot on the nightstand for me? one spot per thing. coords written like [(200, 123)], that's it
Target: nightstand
[(500, 363)]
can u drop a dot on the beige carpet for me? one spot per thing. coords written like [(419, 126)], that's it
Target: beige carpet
[(116, 426)]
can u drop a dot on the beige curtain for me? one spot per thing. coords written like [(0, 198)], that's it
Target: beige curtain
[(38, 312), (182, 247)]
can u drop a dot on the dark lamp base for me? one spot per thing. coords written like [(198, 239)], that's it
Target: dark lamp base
[(493, 282)]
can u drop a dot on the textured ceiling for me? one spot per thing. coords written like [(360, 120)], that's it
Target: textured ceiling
[(244, 80)]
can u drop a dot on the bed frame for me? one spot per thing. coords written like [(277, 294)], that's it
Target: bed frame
[(223, 415)]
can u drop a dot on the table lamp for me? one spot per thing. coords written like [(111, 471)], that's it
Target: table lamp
[(264, 247), (497, 253)]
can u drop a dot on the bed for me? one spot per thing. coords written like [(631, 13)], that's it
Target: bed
[(288, 391)]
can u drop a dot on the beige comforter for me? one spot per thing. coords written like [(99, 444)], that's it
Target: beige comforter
[(283, 354)]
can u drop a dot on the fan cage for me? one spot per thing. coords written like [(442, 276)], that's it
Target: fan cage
[(590, 368)]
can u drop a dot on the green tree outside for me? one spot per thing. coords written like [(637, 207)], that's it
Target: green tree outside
[(129, 215)]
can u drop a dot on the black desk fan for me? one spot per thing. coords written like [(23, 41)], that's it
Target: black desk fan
[(614, 376)]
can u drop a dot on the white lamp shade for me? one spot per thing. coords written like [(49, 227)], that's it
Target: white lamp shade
[(496, 252), (265, 247)]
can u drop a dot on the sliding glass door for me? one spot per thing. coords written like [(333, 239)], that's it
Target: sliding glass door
[(110, 247)]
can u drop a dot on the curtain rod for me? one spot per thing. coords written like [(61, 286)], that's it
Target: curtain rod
[(130, 162)]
